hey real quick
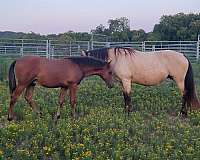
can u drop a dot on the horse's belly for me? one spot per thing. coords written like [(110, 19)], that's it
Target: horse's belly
[(149, 79), (52, 80), (52, 84)]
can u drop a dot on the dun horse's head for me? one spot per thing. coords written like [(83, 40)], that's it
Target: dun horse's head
[(107, 75)]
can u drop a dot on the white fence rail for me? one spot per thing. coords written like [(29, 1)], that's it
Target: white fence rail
[(54, 48)]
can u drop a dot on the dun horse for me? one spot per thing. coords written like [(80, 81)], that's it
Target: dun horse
[(66, 73), (150, 68)]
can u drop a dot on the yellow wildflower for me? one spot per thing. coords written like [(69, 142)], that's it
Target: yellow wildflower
[(1, 152)]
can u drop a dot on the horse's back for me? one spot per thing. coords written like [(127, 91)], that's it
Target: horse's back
[(151, 68), (60, 71), (172, 63), (172, 56), (169, 59), (47, 72)]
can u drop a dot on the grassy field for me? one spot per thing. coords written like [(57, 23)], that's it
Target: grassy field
[(102, 130)]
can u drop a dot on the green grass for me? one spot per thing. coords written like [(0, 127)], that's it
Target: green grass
[(102, 130)]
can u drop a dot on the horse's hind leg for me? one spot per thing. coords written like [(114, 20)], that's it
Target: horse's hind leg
[(126, 84), (184, 107), (29, 96), (16, 93), (73, 89), (180, 85), (61, 102)]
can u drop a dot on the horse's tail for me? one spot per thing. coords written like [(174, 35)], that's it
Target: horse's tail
[(11, 77), (190, 91)]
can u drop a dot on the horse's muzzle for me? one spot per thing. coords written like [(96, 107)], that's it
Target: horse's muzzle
[(110, 85)]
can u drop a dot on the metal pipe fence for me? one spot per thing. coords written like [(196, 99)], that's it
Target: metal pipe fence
[(13, 48)]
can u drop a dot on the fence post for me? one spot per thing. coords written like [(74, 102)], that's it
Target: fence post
[(52, 51), (92, 45), (180, 48), (79, 49), (143, 46), (153, 47), (107, 44), (198, 43), (92, 41), (88, 45), (70, 48), (22, 48), (47, 48)]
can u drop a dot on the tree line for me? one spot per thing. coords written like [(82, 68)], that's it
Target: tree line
[(170, 27)]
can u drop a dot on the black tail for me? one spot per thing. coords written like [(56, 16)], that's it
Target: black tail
[(11, 77), (190, 92)]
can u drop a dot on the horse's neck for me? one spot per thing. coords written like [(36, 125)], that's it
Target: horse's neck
[(89, 71)]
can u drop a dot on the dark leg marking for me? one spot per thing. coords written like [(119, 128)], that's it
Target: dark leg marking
[(127, 99), (184, 107)]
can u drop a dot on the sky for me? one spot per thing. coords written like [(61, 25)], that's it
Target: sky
[(58, 16)]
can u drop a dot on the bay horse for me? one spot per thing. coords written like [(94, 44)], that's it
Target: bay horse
[(149, 68), (67, 73)]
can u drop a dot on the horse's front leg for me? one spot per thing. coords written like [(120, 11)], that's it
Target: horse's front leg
[(61, 102), (73, 89), (126, 85), (127, 101), (29, 96)]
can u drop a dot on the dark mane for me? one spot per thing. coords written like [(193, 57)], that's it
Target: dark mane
[(126, 50), (102, 53), (80, 60)]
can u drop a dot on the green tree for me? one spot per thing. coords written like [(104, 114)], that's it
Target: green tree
[(100, 29), (119, 30), (119, 25), (138, 35), (178, 27)]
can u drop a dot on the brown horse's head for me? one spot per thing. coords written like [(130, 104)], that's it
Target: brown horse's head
[(107, 75)]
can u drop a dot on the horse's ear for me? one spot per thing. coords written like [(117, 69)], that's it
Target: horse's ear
[(109, 61), (83, 53)]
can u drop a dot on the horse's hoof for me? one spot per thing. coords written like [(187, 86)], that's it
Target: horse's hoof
[(9, 118), (132, 109), (40, 114), (58, 117), (183, 114), (129, 109), (55, 117), (73, 115), (55, 120)]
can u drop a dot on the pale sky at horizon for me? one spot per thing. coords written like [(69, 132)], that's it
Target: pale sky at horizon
[(58, 16)]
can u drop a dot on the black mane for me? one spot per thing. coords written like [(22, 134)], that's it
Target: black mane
[(102, 53), (126, 50), (91, 61)]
